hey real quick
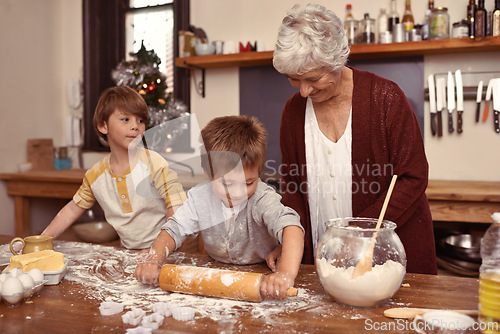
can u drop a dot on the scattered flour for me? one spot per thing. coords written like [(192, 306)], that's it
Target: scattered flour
[(107, 275), (367, 290)]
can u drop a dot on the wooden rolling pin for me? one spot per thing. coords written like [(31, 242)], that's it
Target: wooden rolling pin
[(213, 282)]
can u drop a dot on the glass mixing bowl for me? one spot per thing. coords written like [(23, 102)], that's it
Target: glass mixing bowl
[(344, 243)]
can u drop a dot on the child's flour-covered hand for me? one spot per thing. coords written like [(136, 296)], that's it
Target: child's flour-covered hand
[(150, 260), (148, 267), (276, 284)]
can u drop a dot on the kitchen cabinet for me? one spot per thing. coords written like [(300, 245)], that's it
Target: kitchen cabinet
[(363, 51), (463, 201)]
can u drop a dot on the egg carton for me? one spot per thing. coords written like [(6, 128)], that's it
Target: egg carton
[(16, 286)]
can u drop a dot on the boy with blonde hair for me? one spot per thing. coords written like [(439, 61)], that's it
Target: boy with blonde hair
[(134, 186), (239, 217)]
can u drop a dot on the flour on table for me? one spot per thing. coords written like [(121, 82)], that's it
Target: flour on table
[(107, 274)]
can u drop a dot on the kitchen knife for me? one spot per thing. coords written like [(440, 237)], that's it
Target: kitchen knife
[(487, 101), (479, 97), (460, 99), (451, 101), (496, 103), (440, 102), (432, 102)]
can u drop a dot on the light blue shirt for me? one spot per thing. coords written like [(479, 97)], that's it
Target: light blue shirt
[(251, 233)]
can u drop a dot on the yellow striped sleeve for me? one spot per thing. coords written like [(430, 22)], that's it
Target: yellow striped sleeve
[(84, 197)]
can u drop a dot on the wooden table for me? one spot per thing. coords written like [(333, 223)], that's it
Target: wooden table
[(73, 307), (463, 201), (53, 184)]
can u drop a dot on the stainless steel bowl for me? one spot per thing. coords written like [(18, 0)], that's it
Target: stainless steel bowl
[(463, 246), (467, 242)]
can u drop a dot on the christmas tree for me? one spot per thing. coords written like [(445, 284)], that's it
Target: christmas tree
[(142, 74)]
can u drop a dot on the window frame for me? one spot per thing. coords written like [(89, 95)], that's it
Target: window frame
[(104, 48)]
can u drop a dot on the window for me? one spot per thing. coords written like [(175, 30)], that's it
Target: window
[(114, 28), (144, 17)]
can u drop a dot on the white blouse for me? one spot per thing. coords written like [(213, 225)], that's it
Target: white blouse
[(329, 174)]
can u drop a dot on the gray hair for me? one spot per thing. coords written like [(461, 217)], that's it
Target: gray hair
[(308, 39)]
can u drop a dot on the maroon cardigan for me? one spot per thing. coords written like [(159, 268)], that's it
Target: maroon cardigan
[(385, 134)]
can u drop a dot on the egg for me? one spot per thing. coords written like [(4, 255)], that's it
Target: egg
[(12, 291), (38, 277), (16, 272), (3, 277), (28, 285)]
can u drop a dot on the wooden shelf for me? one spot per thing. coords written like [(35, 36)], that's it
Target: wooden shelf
[(423, 48), (363, 51), (229, 60)]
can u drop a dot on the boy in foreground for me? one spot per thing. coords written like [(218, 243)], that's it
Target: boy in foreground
[(240, 218)]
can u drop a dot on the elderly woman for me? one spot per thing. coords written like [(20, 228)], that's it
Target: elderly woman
[(343, 136)]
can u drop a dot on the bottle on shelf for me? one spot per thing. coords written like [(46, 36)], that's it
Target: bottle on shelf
[(425, 25), (383, 27), (348, 12), (495, 19), (408, 19), (489, 278), (471, 13), (350, 25), (393, 16), (480, 20)]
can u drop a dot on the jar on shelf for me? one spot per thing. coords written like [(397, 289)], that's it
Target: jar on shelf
[(366, 33), (460, 30), (439, 23)]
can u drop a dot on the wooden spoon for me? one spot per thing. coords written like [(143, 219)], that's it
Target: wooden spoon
[(365, 263), (410, 313)]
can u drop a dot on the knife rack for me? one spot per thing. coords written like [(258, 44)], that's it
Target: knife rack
[(470, 81)]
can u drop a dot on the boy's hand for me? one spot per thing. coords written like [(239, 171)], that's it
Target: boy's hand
[(148, 268), (273, 258), (150, 260), (147, 273), (276, 284)]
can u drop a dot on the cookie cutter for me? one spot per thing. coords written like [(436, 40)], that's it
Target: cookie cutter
[(133, 317), (164, 308), (109, 308), (152, 321), (139, 330), (183, 313)]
